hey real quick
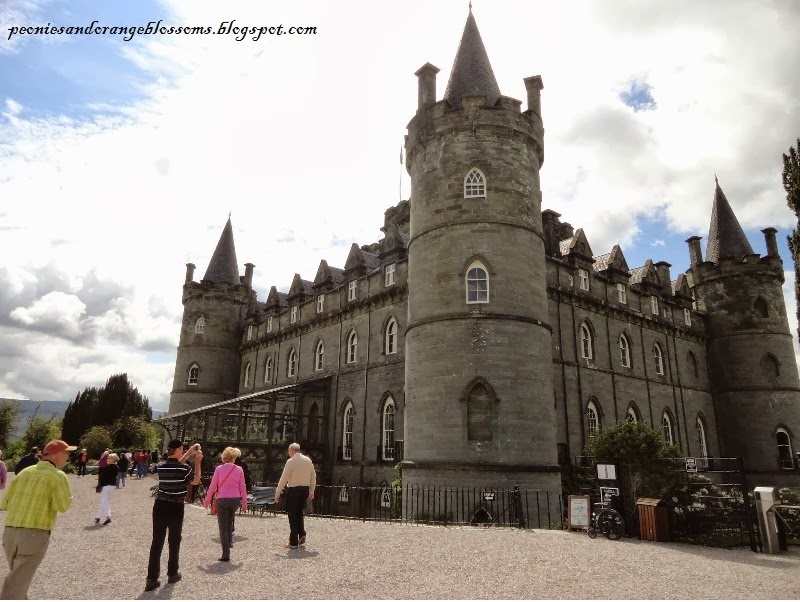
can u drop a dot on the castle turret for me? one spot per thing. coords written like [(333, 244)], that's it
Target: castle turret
[(208, 362), (479, 377), (752, 361)]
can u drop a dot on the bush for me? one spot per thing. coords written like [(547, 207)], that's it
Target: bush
[(96, 440)]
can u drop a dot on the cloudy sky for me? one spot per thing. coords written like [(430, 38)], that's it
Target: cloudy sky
[(120, 160)]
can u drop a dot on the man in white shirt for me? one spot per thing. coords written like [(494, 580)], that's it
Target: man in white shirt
[(299, 479)]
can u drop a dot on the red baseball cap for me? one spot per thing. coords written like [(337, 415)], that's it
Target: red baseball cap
[(58, 446)]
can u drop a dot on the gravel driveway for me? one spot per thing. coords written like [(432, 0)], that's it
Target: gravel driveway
[(351, 559)]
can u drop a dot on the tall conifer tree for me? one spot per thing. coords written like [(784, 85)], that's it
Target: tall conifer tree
[(791, 183)]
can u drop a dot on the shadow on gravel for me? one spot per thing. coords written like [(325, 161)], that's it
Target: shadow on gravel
[(298, 554), (219, 568), (165, 593)]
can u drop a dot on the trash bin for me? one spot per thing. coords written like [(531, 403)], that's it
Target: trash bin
[(653, 519)]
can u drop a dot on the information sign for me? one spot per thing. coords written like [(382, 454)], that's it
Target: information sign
[(691, 464), (488, 496), (607, 472), (578, 511), (607, 492)]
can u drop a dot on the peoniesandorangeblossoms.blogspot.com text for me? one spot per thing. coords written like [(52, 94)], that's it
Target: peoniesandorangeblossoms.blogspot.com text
[(225, 28)]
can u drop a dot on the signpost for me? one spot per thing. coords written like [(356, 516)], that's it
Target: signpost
[(578, 511), (607, 472), (691, 464), (607, 492), (488, 496)]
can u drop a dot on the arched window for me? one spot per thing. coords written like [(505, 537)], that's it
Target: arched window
[(666, 426), (477, 279), (587, 344), (319, 356), (701, 437), (347, 432), (624, 351), (390, 337), (785, 457), (268, 370), (313, 423), (387, 453), (769, 367), (479, 414), (352, 347), (632, 414), (474, 185), (658, 355), (693, 363), (287, 428), (291, 363), (760, 308), (194, 374), (592, 418), (200, 325), (247, 374)]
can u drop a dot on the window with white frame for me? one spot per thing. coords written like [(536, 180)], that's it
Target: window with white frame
[(387, 453), (352, 347), (268, 370), (701, 437), (269, 324), (351, 290), (583, 279), (687, 317), (592, 419), (388, 275), (320, 303), (194, 374), (624, 351), (477, 279), (474, 185), (622, 293), (666, 427), (658, 355), (390, 337), (785, 456), (654, 305), (247, 374), (293, 316), (200, 325), (250, 333), (319, 356), (587, 345), (632, 415), (291, 363), (347, 432)]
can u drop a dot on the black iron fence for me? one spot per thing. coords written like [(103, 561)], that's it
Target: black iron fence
[(499, 507)]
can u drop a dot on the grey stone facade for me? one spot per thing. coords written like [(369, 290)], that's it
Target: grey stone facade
[(503, 391)]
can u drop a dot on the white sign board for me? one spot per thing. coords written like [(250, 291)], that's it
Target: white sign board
[(691, 464), (607, 472), (607, 492), (578, 511)]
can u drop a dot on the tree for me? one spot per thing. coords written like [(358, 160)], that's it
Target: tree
[(8, 415), (96, 440), (791, 184), (40, 431), (134, 433)]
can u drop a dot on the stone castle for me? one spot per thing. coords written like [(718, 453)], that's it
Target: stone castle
[(482, 340)]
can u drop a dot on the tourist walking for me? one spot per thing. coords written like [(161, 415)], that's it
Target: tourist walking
[(228, 486), (106, 483), (174, 475), (33, 501), (103, 461), (122, 470), (83, 458), (3, 473), (29, 459), (299, 479), (141, 458)]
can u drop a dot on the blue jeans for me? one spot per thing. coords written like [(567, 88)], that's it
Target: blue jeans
[(141, 469), (121, 476)]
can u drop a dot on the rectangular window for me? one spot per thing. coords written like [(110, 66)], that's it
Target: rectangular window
[(622, 293), (320, 304), (293, 317), (269, 324), (687, 317), (389, 275), (351, 290), (583, 275), (654, 305)]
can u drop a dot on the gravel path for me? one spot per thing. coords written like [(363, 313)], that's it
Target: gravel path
[(350, 559)]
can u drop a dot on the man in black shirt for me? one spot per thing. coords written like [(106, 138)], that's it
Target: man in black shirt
[(174, 477), (29, 459)]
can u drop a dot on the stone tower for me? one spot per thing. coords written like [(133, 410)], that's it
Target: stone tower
[(752, 362), (208, 363), (478, 372)]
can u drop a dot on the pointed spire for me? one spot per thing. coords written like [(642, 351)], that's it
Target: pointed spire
[(223, 267), (725, 235), (472, 72)]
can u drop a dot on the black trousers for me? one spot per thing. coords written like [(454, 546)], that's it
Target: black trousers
[(81, 469), (167, 516), (295, 503)]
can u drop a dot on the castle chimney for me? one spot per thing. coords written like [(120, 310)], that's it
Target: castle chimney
[(534, 86), (427, 86), (248, 275), (190, 272), (772, 244), (662, 267), (695, 253)]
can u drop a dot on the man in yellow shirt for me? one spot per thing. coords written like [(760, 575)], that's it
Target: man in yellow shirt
[(299, 479), (33, 501)]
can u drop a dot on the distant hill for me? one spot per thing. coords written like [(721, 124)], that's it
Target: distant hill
[(28, 407)]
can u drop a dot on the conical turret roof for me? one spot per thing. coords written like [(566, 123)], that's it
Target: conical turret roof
[(725, 235), (223, 267), (472, 72)]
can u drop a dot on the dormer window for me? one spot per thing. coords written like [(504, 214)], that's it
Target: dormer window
[(654, 305), (474, 185), (293, 317), (389, 275), (320, 304), (583, 278), (622, 294), (269, 324), (351, 290), (250, 333)]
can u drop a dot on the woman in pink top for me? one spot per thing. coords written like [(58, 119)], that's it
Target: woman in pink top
[(228, 484)]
